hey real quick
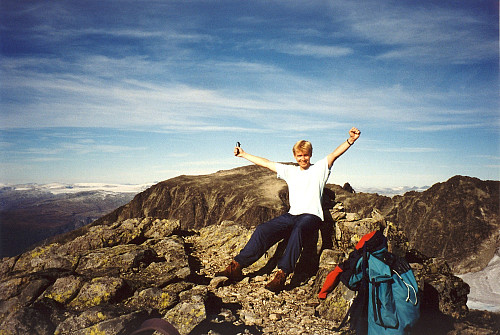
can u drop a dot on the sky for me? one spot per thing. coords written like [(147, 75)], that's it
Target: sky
[(135, 91)]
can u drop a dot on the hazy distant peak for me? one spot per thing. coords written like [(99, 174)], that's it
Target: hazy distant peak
[(61, 188)]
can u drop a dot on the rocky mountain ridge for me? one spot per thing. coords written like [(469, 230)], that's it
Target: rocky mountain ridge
[(109, 276), (246, 195), (457, 219)]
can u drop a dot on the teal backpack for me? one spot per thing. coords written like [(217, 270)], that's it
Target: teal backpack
[(388, 299)]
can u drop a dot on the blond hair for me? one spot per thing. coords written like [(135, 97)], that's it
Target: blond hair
[(303, 146)]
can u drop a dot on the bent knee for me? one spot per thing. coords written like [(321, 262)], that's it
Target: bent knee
[(307, 222)]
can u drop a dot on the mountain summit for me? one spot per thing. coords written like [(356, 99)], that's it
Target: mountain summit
[(156, 256)]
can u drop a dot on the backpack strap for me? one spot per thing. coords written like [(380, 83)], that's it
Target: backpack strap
[(376, 304)]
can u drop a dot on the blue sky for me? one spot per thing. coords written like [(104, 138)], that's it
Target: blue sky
[(142, 91)]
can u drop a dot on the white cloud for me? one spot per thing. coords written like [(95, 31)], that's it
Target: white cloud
[(302, 49), (55, 150), (42, 151), (497, 166), (405, 149), (425, 33), (83, 148), (79, 100), (447, 127), (490, 157), (177, 93), (44, 159)]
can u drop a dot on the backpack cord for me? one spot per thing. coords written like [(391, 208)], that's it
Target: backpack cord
[(408, 288)]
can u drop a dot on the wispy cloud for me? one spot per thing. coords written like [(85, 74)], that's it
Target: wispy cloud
[(42, 151), (88, 99), (424, 33), (406, 150), (448, 127), (490, 157), (44, 159), (54, 146), (497, 166), (83, 149), (305, 49), (113, 88)]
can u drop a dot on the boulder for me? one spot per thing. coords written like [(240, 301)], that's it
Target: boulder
[(108, 280), (190, 311), (98, 291)]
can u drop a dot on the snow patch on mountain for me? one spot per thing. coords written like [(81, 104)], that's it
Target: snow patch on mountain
[(391, 191), (485, 286)]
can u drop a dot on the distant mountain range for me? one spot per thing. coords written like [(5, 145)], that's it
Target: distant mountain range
[(392, 191), (60, 188), (30, 213), (65, 188)]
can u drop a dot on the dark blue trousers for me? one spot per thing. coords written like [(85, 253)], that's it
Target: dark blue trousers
[(295, 227)]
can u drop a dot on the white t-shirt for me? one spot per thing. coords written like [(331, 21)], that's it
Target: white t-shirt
[(305, 187)]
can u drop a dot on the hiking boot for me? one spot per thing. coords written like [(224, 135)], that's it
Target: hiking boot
[(232, 272), (278, 283)]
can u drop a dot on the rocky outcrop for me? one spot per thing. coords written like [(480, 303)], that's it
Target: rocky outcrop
[(109, 278), (114, 276), (248, 195), (457, 220), (442, 291)]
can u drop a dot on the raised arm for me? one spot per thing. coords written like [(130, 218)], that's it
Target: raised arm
[(353, 136), (264, 162)]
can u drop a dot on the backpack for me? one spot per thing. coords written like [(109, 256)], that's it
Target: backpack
[(388, 299)]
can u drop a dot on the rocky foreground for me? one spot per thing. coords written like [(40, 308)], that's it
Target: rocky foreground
[(112, 277)]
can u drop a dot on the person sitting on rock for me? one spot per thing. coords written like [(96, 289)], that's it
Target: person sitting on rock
[(305, 185)]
